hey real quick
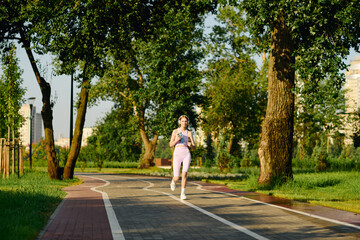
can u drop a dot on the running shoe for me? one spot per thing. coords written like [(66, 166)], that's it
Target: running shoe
[(183, 196), (172, 186)]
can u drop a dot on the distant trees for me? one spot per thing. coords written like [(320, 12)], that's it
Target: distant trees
[(116, 137), (12, 95), (235, 91), (152, 67)]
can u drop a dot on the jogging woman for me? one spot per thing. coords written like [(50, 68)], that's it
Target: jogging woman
[(183, 140)]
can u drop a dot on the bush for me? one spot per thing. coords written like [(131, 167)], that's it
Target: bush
[(111, 164), (224, 161), (320, 157)]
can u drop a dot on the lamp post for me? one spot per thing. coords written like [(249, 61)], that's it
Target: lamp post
[(71, 109), (31, 103)]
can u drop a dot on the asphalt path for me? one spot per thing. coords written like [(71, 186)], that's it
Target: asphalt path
[(144, 207)]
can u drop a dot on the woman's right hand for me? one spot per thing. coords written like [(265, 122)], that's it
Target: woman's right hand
[(177, 138)]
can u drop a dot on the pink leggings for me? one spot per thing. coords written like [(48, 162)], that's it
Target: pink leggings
[(181, 155)]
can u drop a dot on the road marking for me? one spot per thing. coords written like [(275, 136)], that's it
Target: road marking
[(116, 230), (216, 217), (200, 187)]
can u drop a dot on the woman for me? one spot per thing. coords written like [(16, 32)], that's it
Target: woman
[(183, 140)]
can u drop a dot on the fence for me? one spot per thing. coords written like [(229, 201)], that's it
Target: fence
[(11, 151)]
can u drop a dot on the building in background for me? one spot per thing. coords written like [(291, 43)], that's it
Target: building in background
[(87, 132), (65, 141), (352, 94), (36, 125)]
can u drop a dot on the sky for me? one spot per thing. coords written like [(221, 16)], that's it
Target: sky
[(60, 90)]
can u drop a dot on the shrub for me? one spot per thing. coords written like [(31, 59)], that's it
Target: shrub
[(224, 161)]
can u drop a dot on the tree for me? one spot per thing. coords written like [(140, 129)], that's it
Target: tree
[(117, 136), (76, 35), (319, 116), (18, 21), (307, 37), (153, 64), (235, 92), (11, 96)]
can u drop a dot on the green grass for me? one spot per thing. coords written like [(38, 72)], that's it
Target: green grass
[(27, 203), (339, 190)]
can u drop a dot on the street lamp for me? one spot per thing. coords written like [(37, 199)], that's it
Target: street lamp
[(71, 108), (31, 103)]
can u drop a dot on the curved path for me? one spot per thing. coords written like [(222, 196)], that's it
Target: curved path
[(143, 207)]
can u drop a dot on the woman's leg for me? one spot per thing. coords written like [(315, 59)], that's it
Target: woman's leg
[(186, 165), (177, 159), (183, 179)]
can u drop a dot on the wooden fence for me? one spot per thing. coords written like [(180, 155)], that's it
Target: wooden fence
[(11, 152)]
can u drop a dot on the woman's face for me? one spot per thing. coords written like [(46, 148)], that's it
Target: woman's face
[(183, 122)]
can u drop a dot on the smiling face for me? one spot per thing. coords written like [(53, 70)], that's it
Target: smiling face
[(183, 122)]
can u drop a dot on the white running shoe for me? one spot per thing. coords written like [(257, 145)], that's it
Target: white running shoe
[(172, 186), (183, 196)]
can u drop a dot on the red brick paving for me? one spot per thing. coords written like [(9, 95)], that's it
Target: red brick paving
[(81, 216)]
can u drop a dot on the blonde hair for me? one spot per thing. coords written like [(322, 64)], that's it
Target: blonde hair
[(181, 117)]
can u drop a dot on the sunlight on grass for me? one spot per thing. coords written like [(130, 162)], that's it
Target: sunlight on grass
[(339, 190)]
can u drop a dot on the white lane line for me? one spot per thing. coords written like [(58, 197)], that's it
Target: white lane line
[(200, 187), (116, 230), (216, 217)]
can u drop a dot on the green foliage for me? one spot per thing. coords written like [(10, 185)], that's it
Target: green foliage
[(154, 68), (209, 155), (113, 164), (115, 139), (162, 149), (320, 157), (39, 158), (235, 91), (12, 94), (224, 161), (354, 120), (319, 34)]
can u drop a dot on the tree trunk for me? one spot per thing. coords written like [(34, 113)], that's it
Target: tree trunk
[(276, 143), (150, 146), (231, 140), (149, 154), (46, 113), (79, 125)]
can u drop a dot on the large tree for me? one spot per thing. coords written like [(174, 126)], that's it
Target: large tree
[(75, 34), (309, 38), (235, 91), (153, 64), (18, 19)]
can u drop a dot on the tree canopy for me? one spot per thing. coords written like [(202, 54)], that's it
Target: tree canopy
[(235, 91), (309, 38), (154, 69)]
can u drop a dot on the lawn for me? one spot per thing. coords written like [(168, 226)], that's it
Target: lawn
[(27, 203), (339, 190)]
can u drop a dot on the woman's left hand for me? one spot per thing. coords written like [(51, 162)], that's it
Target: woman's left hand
[(189, 144)]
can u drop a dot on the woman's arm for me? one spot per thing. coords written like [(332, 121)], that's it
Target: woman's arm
[(174, 138), (191, 143)]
